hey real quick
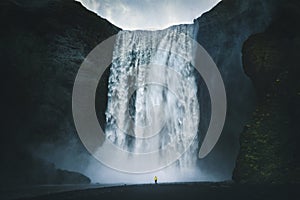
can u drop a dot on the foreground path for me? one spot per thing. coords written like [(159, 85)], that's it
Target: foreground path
[(10, 193), (182, 191)]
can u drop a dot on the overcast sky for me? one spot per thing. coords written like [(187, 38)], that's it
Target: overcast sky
[(149, 14)]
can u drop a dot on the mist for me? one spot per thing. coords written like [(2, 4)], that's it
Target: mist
[(72, 155)]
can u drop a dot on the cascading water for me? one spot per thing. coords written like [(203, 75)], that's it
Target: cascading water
[(144, 117)]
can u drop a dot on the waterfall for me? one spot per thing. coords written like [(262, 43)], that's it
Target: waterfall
[(143, 115)]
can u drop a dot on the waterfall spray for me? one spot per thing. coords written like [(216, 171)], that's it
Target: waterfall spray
[(130, 122), (152, 114)]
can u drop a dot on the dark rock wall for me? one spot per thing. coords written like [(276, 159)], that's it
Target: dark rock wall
[(43, 44), (269, 149), (222, 32)]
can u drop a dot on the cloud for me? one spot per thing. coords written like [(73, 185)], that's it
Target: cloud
[(149, 14)]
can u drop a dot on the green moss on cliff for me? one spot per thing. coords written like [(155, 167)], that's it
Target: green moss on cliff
[(268, 151)]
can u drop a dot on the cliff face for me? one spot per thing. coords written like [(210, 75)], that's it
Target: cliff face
[(43, 44), (222, 32), (269, 150)]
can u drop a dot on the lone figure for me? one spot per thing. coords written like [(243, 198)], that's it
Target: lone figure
[(155, 179)]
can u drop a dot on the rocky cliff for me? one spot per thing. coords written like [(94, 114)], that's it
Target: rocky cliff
[(269, 149), (222, 32), (43, 44)]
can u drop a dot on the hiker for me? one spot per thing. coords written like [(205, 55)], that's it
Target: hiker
[(155, 179)]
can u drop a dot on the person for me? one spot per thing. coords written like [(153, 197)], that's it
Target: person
[(155, 179)]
